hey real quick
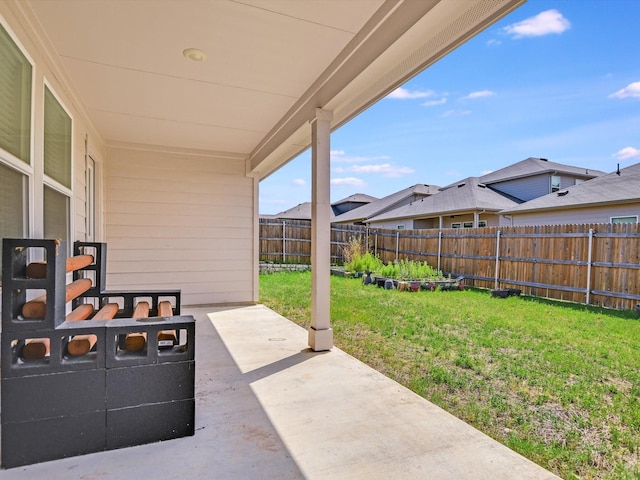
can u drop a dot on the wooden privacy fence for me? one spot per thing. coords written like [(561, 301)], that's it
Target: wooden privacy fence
[(289, 241), (597, 264)]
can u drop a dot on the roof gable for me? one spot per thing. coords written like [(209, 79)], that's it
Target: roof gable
[(383, 204), (536, 166), (467, 195)]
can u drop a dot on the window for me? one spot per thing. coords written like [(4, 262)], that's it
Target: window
[(555, 183), (456, 225), (629, 219), (468, 224), (482, 223), (57, 140), (400, 227), (15, 99), (13, 204), (578, 181), (56, 214), (57, 168)]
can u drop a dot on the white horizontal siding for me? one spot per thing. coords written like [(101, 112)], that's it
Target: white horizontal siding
[(178, 221)]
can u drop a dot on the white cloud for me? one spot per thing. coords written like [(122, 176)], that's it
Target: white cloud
[(456, 113), (403, 94), (342, 158), (493, 42), (385, 169), (336, 153), (299, 181), (545, 23), (433, 103), (630, 91), (349, 181), (627, 153), (479, 94)]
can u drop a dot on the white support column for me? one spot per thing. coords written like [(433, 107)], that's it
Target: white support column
[(476, 219), (320, 332)]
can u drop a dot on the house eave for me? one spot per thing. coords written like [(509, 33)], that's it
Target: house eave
[(403, 38)]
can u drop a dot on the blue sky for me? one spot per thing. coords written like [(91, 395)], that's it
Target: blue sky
[(554, 79)]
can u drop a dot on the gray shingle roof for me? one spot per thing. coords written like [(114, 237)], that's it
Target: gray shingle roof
[(536, 166), (611, 188), (357, 198), (382, 205), (301, 211), (467, 195)]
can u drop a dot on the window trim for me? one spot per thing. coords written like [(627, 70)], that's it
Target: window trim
[(620, 217), (553, 189), (6, 156), (47, 179), (51, 182)]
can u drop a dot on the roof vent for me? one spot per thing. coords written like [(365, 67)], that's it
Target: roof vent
[(562, 193), (461, 185), (482, 185), (544, 159)]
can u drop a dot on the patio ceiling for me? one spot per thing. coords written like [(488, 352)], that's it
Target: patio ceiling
[(270, 64)]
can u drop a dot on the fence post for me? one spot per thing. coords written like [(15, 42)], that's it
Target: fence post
[(397, 243), (375, 248), (497, 259), (589, 265), (439, 247), (366, 236), (284, 241)]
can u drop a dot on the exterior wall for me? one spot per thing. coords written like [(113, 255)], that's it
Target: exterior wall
[(176, 220), (525, 188), (577, 215), (406, 223), (46, 71), (532, 187), (434, 222)]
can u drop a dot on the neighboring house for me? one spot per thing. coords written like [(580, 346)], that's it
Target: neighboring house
[(475, 202), (468, 203), (361, 215), (612, 198), (351, 202), (302, 211), (534, 177)]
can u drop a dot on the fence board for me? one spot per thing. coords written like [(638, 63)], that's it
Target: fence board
[(543, 260)]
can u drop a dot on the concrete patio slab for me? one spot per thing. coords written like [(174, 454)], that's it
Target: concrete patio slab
[(269, 407)]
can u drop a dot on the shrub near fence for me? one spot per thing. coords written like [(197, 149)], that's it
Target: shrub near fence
[(596, 264)]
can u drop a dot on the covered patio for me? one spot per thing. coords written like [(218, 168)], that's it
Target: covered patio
[(170, 114), (266, 407)]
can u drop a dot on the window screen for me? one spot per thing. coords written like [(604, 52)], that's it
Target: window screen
[(57, 140), (15, 99), (12, 204), (56, 214)]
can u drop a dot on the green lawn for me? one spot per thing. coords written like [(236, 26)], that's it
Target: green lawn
[(558, 383)]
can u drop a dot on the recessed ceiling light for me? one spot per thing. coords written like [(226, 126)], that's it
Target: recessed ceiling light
[(195, 54)]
